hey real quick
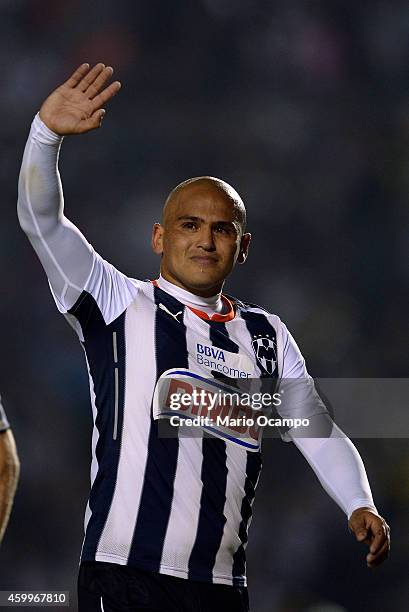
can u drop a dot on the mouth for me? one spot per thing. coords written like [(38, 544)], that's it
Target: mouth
[(204, 260)]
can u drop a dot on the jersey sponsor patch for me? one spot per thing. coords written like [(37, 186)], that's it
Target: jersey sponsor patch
[(213, 358), (187, 398)]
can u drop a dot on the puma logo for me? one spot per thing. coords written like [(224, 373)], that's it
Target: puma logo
[(175, 316)]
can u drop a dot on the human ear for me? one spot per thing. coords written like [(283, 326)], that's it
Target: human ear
[(244, 248), (157, 238)]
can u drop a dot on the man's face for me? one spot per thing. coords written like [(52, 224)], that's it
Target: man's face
[(200, 239)]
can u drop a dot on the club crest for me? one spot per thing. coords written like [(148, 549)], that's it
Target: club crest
[(265, 351)]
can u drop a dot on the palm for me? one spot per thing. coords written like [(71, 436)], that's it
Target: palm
[(75, 106)]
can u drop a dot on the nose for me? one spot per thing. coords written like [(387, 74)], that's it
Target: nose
[(206, 238)]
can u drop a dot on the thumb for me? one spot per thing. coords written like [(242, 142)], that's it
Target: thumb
[(361, 534), (97, 117), (94, 121), (358, 527)]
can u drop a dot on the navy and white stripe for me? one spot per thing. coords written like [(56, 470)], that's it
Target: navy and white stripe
[(160, 470), (107, 376), (214, 478)]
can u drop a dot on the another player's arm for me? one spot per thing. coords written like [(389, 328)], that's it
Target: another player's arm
[(9, 471), (73, 108), (337, 464)]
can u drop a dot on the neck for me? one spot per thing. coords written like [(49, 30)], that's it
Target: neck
[(207, 292), (209, 304)]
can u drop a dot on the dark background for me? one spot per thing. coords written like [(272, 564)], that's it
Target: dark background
[(304, 108)]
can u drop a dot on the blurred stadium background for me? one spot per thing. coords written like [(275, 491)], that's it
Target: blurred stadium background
[(304, 108)]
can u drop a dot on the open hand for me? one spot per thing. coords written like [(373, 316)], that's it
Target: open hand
[(373, 530), (75, 106)]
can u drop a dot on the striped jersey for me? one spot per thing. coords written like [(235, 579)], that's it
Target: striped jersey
[(180, 506)]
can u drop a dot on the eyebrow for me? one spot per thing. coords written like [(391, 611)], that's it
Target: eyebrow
[(190, 218)]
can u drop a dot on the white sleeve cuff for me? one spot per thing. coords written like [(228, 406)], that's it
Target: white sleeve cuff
[(43, 134)]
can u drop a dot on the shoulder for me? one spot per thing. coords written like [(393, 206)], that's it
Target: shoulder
[(107, 295), (249, 309)]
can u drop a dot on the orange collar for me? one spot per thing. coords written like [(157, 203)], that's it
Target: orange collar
[(220, 318)]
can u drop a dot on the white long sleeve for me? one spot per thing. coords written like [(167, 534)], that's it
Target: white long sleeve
[(339, 468), (65, 254), (333, 457)]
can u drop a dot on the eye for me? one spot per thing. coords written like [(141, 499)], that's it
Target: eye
[(222, 229), (190, 225)]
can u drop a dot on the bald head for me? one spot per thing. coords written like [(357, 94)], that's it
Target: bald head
[(202, 235), (211, 185)]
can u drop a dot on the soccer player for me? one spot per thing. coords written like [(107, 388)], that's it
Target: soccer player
[(9, 471), (167, 519)]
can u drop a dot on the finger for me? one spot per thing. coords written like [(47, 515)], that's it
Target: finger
[(95, 121), (361, 534), (76, 76), (105, 95), (380, 535), (376, 559), (90, 77), (359, 529), (97, 85)]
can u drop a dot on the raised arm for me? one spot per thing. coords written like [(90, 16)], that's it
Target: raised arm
[(73, 108)]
